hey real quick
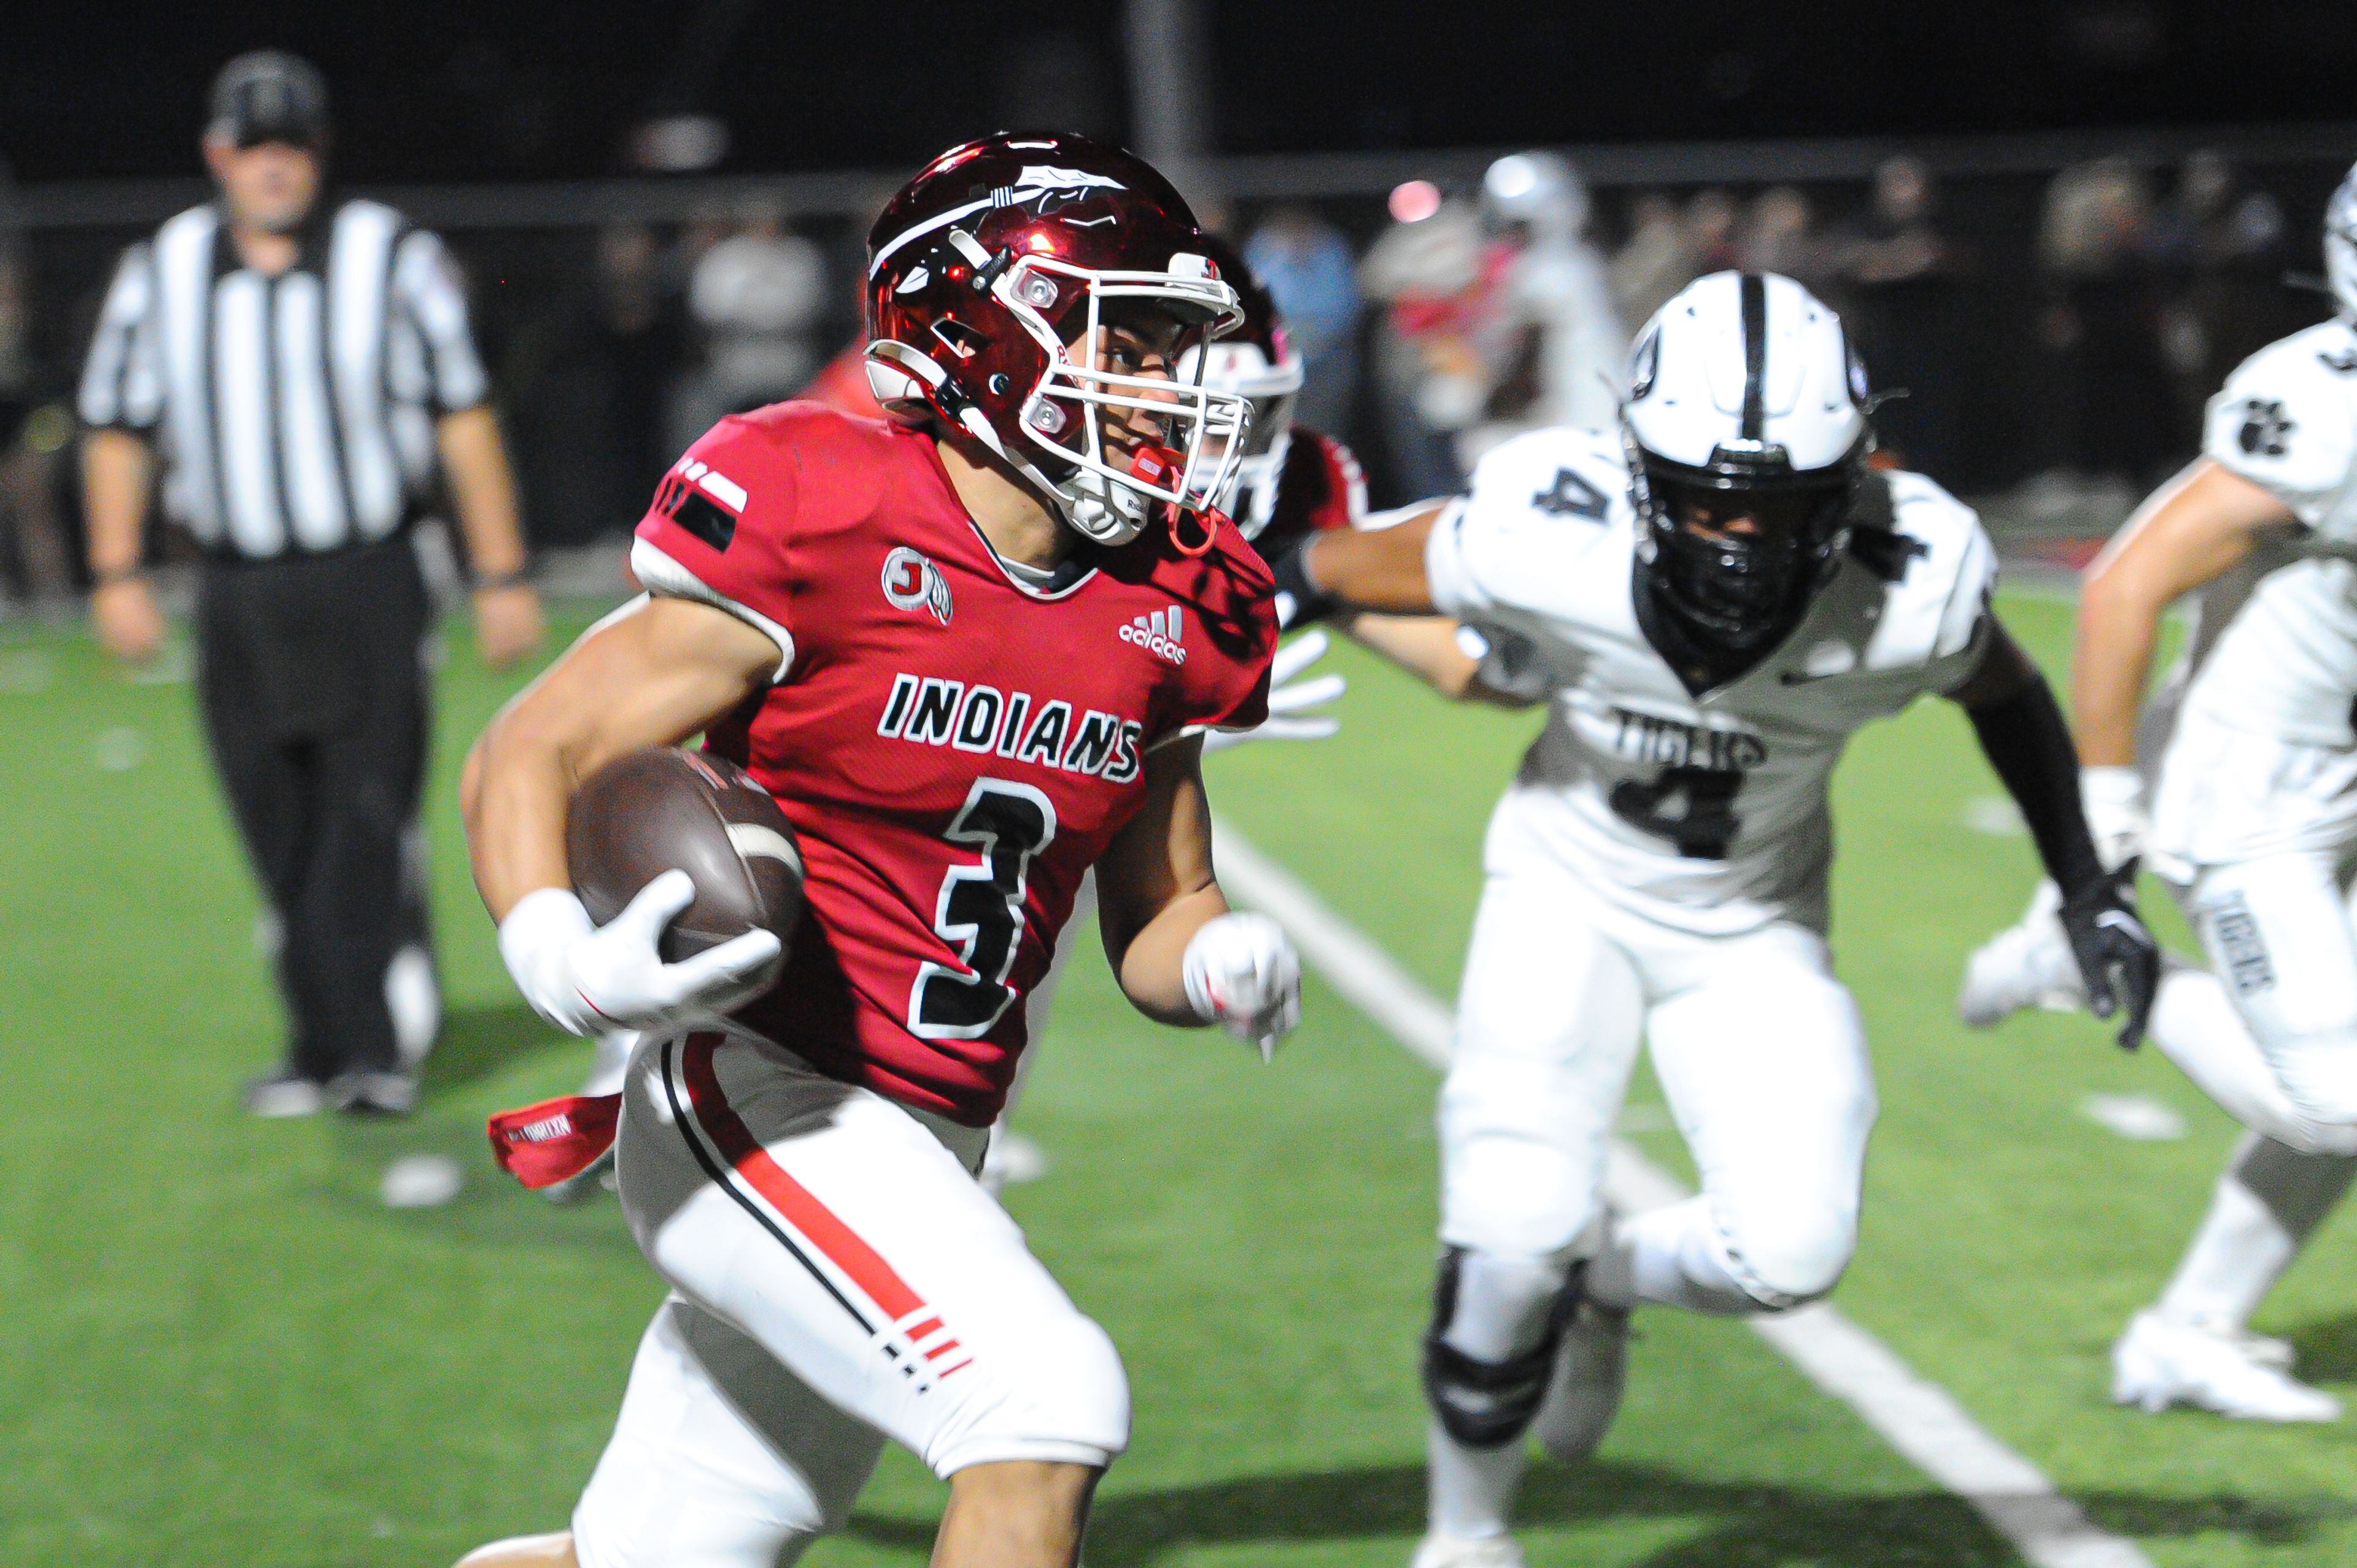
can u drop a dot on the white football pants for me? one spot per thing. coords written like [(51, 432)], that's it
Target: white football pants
[(1758, 1046), (838, 1278), (2270, 1032)]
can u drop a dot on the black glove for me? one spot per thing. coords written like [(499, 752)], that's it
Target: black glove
[(1299, 601), (2117, 957)]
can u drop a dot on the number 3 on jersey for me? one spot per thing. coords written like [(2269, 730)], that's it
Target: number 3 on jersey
[(1694, 808), (980, 911)]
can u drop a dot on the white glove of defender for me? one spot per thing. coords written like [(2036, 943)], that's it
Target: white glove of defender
[(2113, 801), (1241, 974), (586, 979), (1286, 699)]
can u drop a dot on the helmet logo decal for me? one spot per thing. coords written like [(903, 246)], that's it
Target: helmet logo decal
[(1045, 176)]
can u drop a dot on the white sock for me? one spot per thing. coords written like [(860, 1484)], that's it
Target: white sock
[(1671, 1257), (1471, 1491), (1503, 1302), (2268, 1202)]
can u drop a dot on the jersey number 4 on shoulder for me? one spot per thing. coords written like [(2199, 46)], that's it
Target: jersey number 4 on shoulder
[(1693, 808), (980, 911)]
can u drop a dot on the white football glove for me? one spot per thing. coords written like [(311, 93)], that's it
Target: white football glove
[(586, 979), (1287, 699), (2113, 799), (1241, 974)]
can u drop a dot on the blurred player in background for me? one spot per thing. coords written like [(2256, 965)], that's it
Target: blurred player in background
[(304, 369), (2252, 823), (1713, 598), (971, 653)]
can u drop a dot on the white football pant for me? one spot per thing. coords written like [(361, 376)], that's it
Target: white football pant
[(1757, 1046), (838, 1278), (2270, 1032)]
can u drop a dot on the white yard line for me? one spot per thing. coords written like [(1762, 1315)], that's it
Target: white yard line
[(1917, 1418)]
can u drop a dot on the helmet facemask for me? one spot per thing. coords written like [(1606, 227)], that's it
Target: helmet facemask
[(1109, 495), (1736, 552)]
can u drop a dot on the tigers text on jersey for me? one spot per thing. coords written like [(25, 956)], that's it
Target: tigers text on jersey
[(955, 748), (1705, 813)]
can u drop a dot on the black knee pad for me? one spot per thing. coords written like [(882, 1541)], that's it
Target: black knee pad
[(1488, 1404)]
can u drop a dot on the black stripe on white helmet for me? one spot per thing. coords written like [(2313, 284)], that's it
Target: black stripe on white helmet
[(1746, 429)]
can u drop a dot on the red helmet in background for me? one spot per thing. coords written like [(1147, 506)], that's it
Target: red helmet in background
[(998, 256), (1257, 363)]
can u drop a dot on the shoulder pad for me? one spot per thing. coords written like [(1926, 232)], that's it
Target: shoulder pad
[(1566, 473), (1935, 601), (2287, 420)]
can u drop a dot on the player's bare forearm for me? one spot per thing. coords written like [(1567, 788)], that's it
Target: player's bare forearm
[(115, 466), (2196, 530), (1155, 887), (1426, 647), (652, 678), (482, 486), (1379, 569)]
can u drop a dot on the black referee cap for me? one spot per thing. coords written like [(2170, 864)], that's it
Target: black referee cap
[(270, 96)]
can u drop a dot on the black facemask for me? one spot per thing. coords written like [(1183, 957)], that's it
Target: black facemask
[(1736, 568)]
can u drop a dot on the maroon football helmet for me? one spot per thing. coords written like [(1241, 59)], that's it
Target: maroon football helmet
[(997, 259), (1257, 362)]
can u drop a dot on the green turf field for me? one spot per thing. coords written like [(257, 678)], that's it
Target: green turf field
[(217, 1348)]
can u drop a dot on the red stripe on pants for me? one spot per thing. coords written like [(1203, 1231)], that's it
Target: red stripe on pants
[(793, 1201)]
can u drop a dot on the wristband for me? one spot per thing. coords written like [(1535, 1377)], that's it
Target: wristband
[(1299, 601), (107, 577), (514, 579)]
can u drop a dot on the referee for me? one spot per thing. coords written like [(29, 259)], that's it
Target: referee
[(296, 366)]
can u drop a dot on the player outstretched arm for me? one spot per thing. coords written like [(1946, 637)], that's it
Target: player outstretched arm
[(2189, 534), (1182, 957), (653, 676), (2022, 731)]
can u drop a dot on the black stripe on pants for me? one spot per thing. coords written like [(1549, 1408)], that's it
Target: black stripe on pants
[(315, 705)]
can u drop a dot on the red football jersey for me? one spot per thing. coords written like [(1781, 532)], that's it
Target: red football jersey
[(955, 748), (1319, 487)]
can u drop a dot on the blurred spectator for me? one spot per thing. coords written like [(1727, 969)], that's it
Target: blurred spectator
[(34, 554), (1710, 235), (1899, 275), (590, 386), (1776, 236), (1550, 338), (1306, 265), (2103, 326), (2217, 249), (1654, 264), (1427, 268), (758, 295)]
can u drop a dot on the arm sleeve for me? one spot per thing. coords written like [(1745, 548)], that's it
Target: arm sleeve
[(719, 532), (426, 282), (122, 381)]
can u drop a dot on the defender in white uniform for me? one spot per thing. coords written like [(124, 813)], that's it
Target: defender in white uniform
[(2253, 822), (1712, 600)]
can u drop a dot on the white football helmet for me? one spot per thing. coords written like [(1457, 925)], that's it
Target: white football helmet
[(1746, 427), (1258, 363), (2341, 247), (1539, 192)]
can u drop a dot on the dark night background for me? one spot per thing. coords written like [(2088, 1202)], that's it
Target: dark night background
[(440, 89)]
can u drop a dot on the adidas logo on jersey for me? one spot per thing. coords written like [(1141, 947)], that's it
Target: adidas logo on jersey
[(1159, 634)]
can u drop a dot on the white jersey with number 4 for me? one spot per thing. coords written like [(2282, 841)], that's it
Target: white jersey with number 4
[(1705, 813), (2262, 758)]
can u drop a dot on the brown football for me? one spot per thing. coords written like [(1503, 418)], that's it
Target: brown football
[(642, 814)]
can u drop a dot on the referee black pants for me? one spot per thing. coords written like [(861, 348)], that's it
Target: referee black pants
[(310, 675)]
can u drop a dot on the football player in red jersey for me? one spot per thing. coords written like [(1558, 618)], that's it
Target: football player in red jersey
[(971, 651)]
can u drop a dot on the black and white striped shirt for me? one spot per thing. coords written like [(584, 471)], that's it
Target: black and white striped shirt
[(294, 413)]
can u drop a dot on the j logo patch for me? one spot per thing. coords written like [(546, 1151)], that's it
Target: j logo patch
[(913, 583)]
